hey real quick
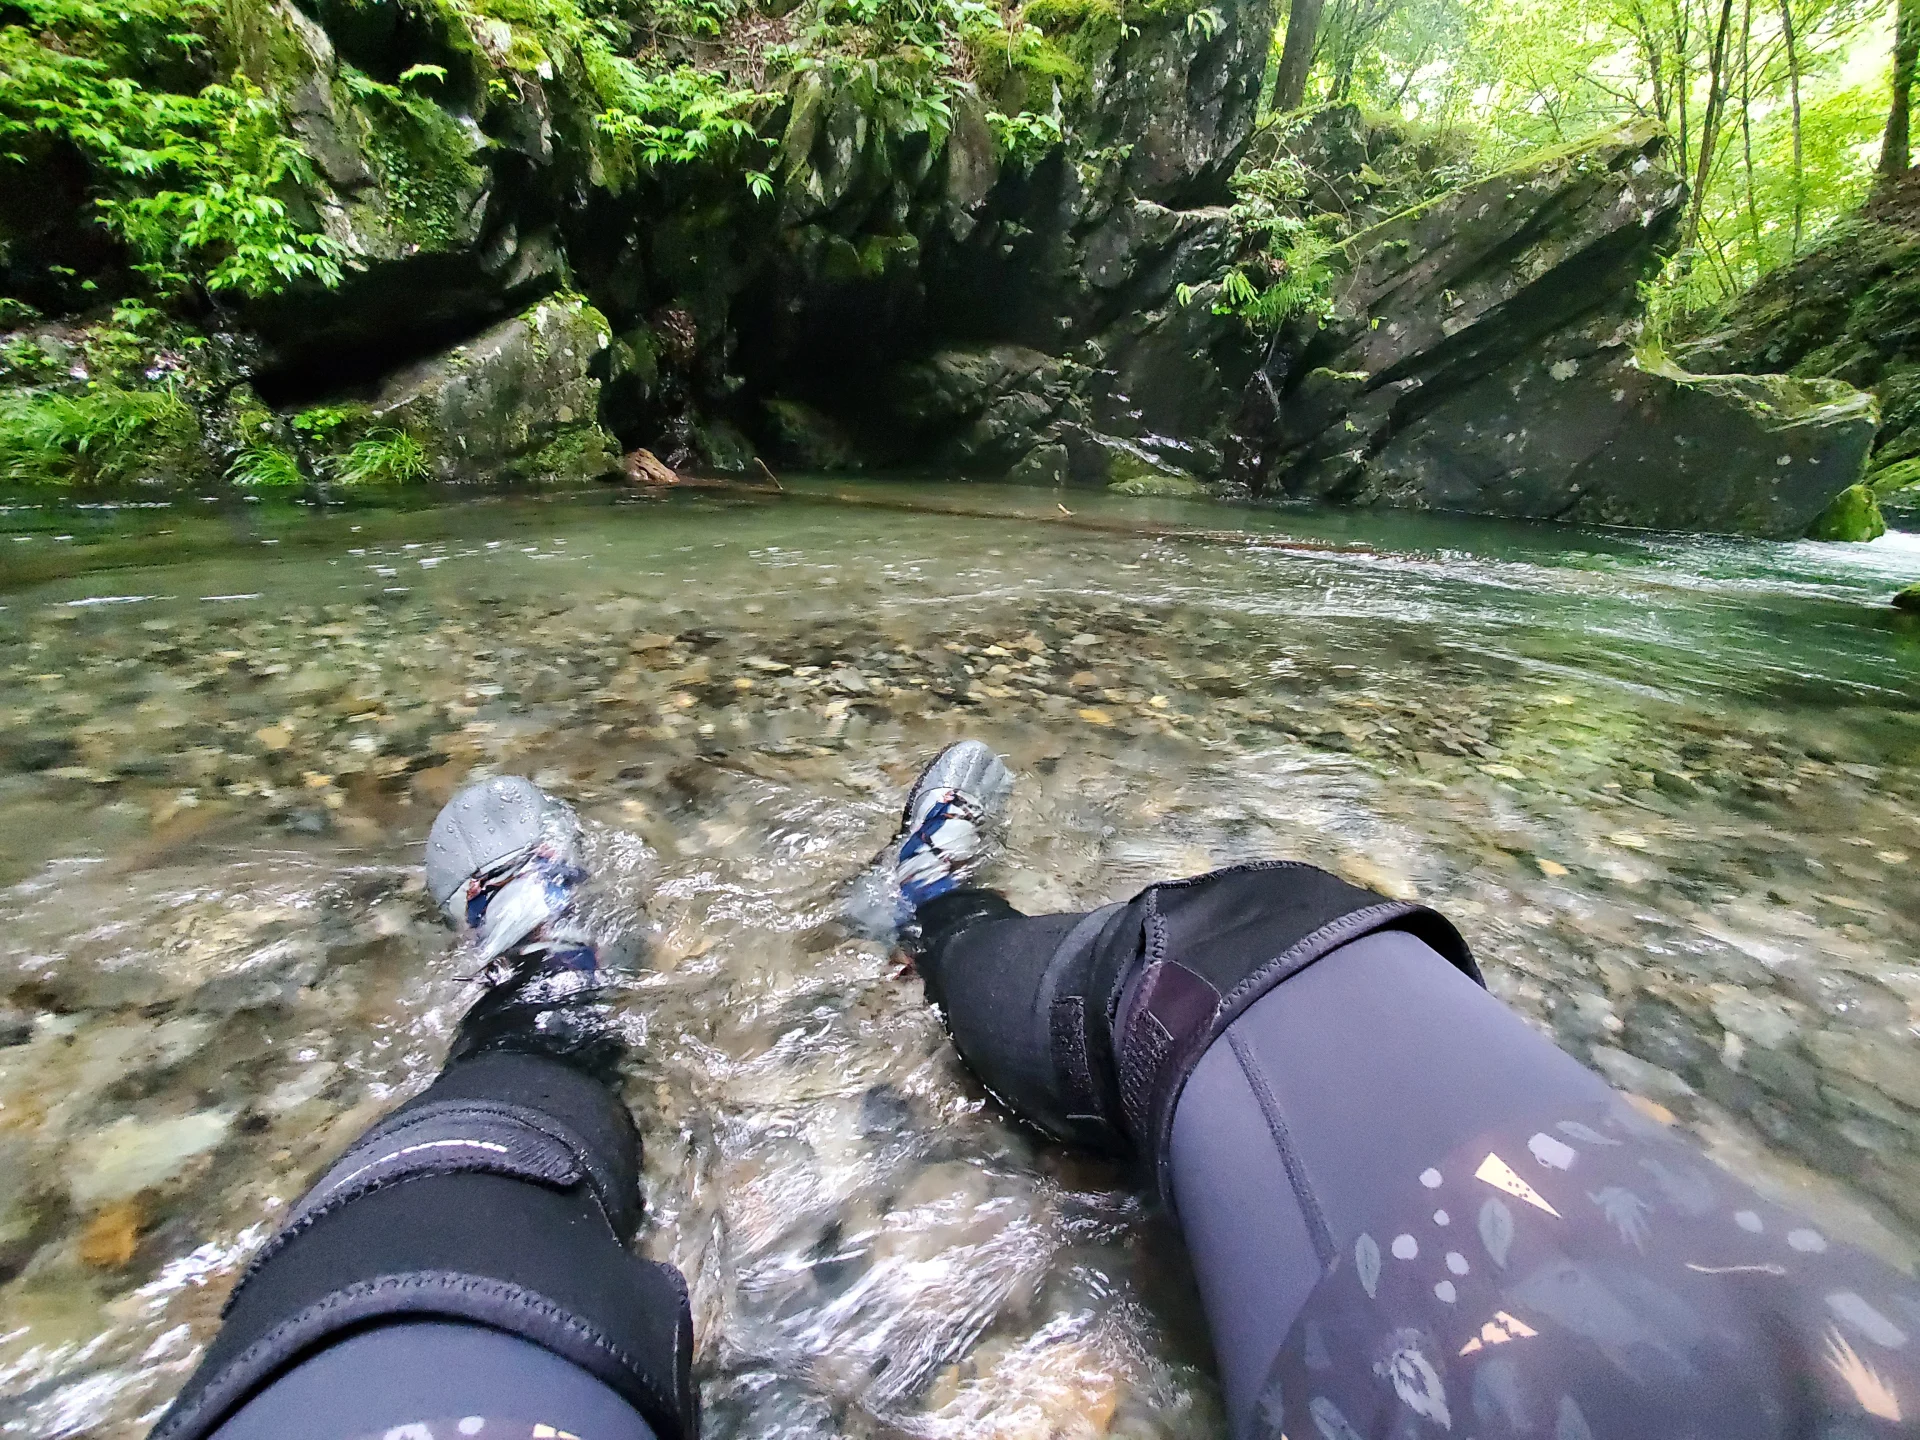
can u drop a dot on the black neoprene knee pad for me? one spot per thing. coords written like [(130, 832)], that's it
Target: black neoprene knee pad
[(1088, 1026), (504, 1195)]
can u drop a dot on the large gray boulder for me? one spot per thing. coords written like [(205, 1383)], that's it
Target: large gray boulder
[(983, 408), (518, 404), (1483, 358)]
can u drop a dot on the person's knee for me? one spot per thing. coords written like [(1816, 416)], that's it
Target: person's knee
[(504, 1195), (1088, 1026)]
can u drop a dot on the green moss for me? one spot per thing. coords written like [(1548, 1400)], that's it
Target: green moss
[(581, 452), (878, 253), (721, 446), (1854, 515), (424, 156), (807, 438), (247, 417), (1057, 17), (1022, 69), (1131, 473), (1574, 156), (1891, 479), (1078, 35), (1161, 486), (636, 356)]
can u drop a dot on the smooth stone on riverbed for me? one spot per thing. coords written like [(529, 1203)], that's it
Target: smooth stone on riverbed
[(1888, 1065), (120, 1160)]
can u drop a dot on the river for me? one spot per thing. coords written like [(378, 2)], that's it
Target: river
[(1669, 788)]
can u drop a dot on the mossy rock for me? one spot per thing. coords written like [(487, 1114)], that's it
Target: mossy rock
[(1161, 486), (1131, 473), (1043, 465), (1853, 515), (1908, 600), (1891, 480), (805, 437), (721, 447), (517, 404)]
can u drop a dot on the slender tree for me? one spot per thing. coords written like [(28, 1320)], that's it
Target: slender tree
[(1799, 144), (1682, 79), (1296, 54), (1707, 150), (1895, 147)]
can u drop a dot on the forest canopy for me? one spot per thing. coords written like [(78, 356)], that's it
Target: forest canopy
[(1778, 111)]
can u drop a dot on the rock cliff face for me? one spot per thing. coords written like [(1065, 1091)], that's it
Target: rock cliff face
[(1848, 311), (794, 324), (1481, 358), (922, 293)]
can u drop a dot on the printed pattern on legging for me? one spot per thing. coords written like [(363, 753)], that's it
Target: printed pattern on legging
[(1591, 1277), (466, 1427)]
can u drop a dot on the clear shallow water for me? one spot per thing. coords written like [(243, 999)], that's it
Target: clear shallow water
[(1670, 789)]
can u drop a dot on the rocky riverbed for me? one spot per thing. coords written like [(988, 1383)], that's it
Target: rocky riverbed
[(1669, 789)]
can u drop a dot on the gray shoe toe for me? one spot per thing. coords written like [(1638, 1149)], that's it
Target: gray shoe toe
[(484, 824)]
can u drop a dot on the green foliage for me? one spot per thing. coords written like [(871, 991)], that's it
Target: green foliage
[(327, 426), (1023, 139), (421, 150), (1204, 24), (384, 457), (101, 435), (895, 59), (24, 361), (351, 450), (1284, 271), (1514, 77), (673, 116), (187, 179), (263, 465)]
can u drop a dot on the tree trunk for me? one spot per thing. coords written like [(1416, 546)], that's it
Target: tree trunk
[(1705, 153), (1746, 130), (1296, 56), (1799, 157), (1682, 82), (1651, 51), (1895, 148)]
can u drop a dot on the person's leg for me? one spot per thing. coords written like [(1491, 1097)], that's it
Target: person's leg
[(1408, 1211), (1331, 1091), (484, 1224), (1017, 993)]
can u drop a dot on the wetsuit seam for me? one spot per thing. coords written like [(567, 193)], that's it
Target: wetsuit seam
[(1303, 1192)]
